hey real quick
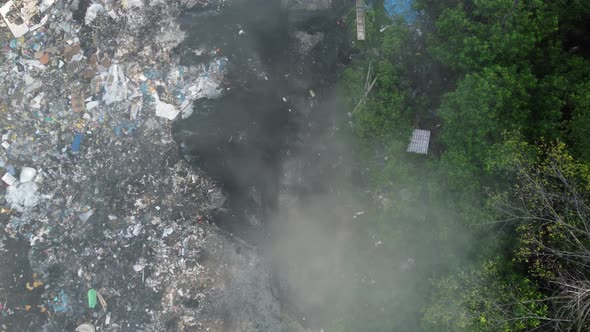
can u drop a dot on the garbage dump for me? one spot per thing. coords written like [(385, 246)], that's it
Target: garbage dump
[(118, 224)]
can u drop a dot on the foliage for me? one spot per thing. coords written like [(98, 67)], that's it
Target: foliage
[(485, 297), (513, 106), (474, 35), (385, 113), (483, 107)]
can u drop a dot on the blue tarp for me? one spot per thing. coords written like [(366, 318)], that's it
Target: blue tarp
[(401, 8)]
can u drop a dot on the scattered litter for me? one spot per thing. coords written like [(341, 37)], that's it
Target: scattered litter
[(139, 266), (36, 102), (35, 284), (44, 59), (85, 327), (78, 105), (61, 302), (91, 105), (92, 298), (9, 179), (86, 215), (102, 301), (77, 142)]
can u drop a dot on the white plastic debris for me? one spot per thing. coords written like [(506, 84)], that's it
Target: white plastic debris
[(167, 232), (9, 179), (23, 196), (132, 3), (113, 14), (208, 81), (134, 110), (5, 145), (86, 215), (116, 85), (45, 4), (136, 230), (186, 109), (36, 102), (27, 174), (139, 266), (92, 12), (166, 110), (86, 327), (91, 104), (34, 239)]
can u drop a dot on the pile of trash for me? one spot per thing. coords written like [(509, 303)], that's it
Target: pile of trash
[(91, 177)]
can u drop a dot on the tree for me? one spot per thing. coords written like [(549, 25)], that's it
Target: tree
[(550, 207), (480, 33), (476, 119)]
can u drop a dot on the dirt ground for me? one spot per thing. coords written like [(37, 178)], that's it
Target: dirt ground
[(15, 273)]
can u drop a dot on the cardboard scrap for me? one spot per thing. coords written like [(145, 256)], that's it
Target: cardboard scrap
[(78, 103), (9, 12)]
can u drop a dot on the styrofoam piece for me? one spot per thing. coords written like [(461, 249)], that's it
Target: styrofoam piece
[(27, 174)]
